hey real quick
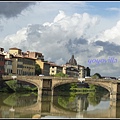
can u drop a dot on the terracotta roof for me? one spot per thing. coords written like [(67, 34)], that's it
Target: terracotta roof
[(53, 64), (81, 66), (29, 57), (17, 56), (8, 59), (14, 48), (2, 54), (20, 56)]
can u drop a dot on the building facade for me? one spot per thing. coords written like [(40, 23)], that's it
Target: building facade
[(21, 63), (2, 64), (36, 55), (28, 66), (54, 69), (74, 70), (44, 66), (8, 66), (15, 51)]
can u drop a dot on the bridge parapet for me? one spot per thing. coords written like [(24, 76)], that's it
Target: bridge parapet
[(8, 77), (105, 80)]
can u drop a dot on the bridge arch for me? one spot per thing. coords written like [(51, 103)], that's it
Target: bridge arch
[(111, 85), (106, 86), (35, 80), (29, 81), (63, 83), (102, 85)]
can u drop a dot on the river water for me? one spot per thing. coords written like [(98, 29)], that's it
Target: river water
[(68, 105)]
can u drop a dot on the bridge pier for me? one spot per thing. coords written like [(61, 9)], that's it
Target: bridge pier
[(114, 98), (52, 91), (114, 109), (115, 94), (11, 114), (39, 94), (52, 94), (40, 86)]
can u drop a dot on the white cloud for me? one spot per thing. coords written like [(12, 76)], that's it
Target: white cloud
[(113, 9), (51, 36), (111, 35), (60, 16), (15, 39), (64, 36)]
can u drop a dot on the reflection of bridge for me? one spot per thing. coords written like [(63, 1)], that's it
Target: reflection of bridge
[(47, 82), (43, 109)]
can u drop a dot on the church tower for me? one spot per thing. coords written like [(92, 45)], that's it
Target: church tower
[(72, 61)]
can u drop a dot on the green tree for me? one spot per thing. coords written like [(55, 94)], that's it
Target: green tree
[(37, 69), (96, 76), (60, 74), (12, 85), (73, 85), (91, 86)]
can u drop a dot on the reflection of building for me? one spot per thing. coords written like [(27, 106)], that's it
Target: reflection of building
[(74, 70), (82, 105)]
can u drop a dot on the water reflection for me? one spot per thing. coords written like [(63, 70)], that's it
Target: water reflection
[(17, 100), (66, 105)]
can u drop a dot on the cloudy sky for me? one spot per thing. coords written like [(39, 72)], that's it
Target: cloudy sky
[(88, 30)]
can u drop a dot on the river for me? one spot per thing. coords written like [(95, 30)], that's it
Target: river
[(62, 105)]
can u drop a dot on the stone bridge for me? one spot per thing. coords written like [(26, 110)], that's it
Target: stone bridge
[(48, 82)]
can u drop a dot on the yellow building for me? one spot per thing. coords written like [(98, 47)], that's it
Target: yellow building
[(17, 62), (49, 68), (22, 65), (82, 71), (17, 65), (28, 66), (15, 51), (55, 69), (45, 67), (36, 55)]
